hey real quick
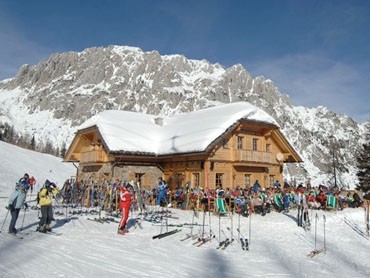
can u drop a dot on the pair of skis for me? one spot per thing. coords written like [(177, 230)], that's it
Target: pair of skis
[(103, 220), (201, 241), (315, 252), (243, 241), (17, 235), (224, 244), (22, 235), (189, 236), (162, 235)]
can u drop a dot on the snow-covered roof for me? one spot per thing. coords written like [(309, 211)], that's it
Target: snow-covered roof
[(181, 133)]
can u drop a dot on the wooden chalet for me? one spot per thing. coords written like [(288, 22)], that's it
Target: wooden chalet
[(224, 145)]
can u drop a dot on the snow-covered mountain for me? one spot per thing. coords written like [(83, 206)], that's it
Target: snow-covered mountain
[(51, 99)]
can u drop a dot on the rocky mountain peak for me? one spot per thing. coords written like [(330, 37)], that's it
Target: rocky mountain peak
[(73, 86)]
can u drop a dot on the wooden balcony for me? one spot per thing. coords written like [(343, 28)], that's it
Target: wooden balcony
[(92, 156), (252, 156)]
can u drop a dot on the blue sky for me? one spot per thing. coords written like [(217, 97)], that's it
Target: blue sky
[(315, 51)]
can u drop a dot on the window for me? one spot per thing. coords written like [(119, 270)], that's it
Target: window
[(268, 148), (239, 143), (255, 144), (138, 177), (219, 178), (247, 180), (272, 180), (196, 179)]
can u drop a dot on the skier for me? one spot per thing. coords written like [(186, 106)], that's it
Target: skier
[(286, 202), (32, 182), (124, 205), (45, 201), (277, 184), (162, 192), (25, 180), (16, 202), (256, 187)]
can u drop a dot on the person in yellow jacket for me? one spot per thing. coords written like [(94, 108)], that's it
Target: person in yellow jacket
[(45, 197)]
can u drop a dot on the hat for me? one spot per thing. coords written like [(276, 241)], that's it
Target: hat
[(47, 183)]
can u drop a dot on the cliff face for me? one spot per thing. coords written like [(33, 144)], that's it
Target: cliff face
[(71, 87)]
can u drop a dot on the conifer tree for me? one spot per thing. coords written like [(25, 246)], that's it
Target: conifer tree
[(33, 143), (363, 164), (63, 150)]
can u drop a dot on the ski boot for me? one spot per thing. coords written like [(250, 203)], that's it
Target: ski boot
[(122, 232), (48, 228), (41, 229)]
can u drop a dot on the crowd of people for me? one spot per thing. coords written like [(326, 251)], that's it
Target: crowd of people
[(277, 197), (122, 197), (45, 196)]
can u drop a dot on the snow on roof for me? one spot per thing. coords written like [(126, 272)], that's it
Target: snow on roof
[(182, 133)]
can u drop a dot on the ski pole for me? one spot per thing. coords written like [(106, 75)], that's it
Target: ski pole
[(324, 232), (250, 228), (239, 220), (232, 225), (66, 218), (224, 234), (367, 207), (209, 222), (6, 216), (204, 222), (219, 226), (24, 216), (316, 216)]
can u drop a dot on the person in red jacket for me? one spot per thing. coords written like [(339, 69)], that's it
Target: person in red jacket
[(321, 199), (124, 206)]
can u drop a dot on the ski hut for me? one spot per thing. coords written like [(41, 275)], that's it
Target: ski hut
[(224, 145)]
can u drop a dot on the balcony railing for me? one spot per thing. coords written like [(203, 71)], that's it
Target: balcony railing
[(253, 156), (92, 156)]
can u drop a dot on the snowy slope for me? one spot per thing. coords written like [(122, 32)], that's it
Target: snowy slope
[(89, 249)]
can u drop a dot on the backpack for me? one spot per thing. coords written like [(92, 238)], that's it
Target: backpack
[(38, 196)]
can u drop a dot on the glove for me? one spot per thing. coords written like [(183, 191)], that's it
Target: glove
[(10, 207), (25, 206)]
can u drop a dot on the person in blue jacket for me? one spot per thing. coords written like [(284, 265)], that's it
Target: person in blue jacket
[(162, 192), (25, 180), (256, 186), (15, 203)]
